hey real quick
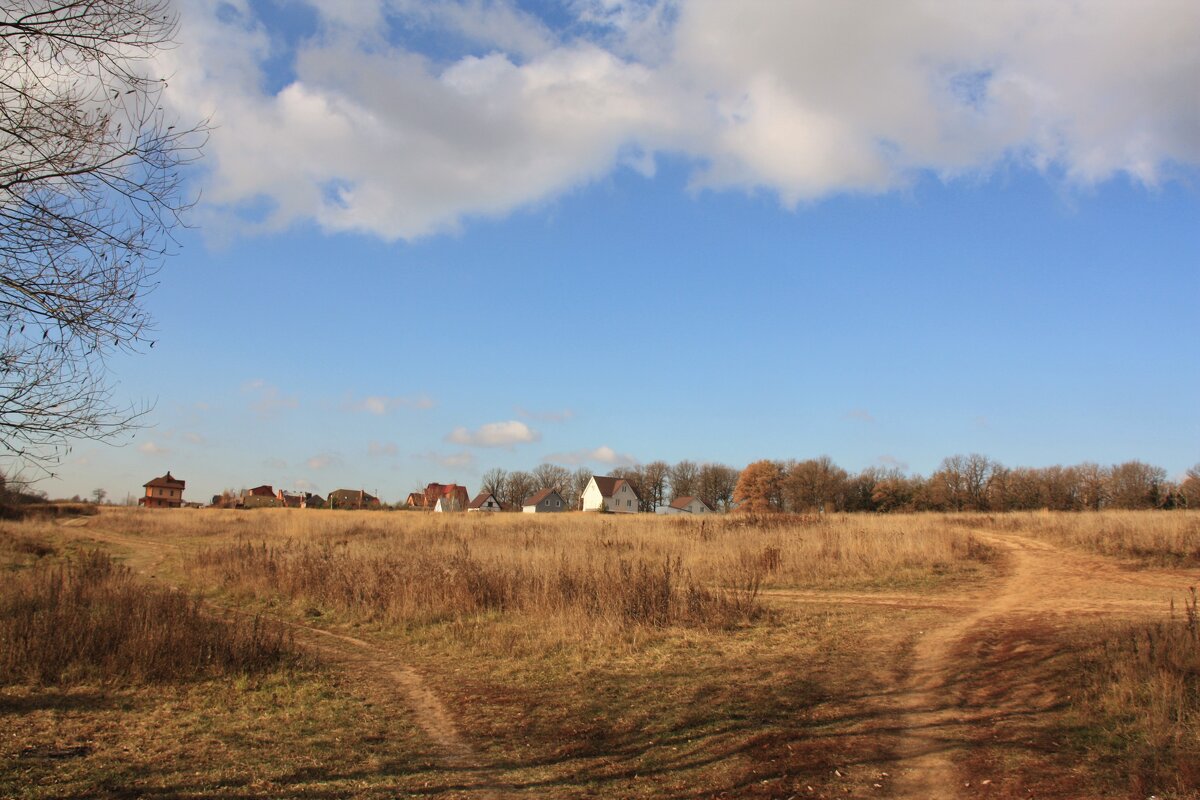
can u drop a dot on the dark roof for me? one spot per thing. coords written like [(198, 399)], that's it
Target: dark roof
[(610, 486), (481, 498), (534, 499), (167, 481)]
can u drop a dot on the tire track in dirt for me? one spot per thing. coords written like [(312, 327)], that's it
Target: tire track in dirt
[(364, 661)]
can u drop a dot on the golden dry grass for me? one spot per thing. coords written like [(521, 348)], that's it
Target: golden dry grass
[(584, 574), (90, 619), (1170, 538), (583, 655)]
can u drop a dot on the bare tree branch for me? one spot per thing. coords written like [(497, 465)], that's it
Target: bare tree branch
[(90, 192)]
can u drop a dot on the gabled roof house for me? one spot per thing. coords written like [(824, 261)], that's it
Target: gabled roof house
[(485, 501), (543, 501), (610, 494), (686, 505)]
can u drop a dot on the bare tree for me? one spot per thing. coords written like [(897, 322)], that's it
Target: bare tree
[(520, 484), (551, 476), (578, 484), (654, 483), (715, 485), (682, 478), (494, 480), (89, 195)]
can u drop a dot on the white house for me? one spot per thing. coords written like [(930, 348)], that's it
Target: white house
[(545, 500), (685, 505), (613, 494), (485, 501)]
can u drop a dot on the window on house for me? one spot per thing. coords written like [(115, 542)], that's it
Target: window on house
[(628, 503)]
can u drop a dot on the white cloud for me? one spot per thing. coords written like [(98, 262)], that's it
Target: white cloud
[(152, 448), (193, 438), (860, 415), (380, 405), (323, 461), (268, 399), (495, 434), (302, 485), (891, 462), (382, 449), (803, 99), (600, 455)]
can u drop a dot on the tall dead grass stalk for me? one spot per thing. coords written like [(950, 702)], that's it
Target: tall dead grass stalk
[(90, 619)]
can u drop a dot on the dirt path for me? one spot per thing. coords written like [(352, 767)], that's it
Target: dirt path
[(370, 666), (1055, 586)]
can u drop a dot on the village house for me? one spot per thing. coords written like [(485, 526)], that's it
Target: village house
[(485, 501), (543, 501), (685, 505), (355, 499), (164, 492), (454, 495), (617, 495)]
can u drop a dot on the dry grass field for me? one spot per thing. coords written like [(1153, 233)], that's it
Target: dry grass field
[(278, 653)]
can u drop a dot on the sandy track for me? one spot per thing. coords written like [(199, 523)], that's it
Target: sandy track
[(1044, 582)]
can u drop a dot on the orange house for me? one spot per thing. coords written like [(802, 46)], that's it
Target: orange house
[(164, 492)]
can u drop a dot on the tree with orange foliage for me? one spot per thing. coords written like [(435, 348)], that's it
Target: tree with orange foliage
[(760, 488)]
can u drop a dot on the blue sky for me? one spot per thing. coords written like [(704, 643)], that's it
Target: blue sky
[(438, 238)]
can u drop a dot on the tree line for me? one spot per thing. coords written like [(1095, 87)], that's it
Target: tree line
[(657, 483), (961, 483)]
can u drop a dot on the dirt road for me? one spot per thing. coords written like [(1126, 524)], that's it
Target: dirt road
[(1042, 583)]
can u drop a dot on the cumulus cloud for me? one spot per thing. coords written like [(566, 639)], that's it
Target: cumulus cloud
[(380, 405), (495, 434), (802, 99), (268, 399), (860, 415), (302, 485), (152, 448), (192, 437), (600, 455)]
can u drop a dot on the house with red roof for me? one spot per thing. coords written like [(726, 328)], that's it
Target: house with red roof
[(164, 492)]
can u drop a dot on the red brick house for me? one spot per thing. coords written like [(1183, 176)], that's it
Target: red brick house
[(164, 492), (452, 495)]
